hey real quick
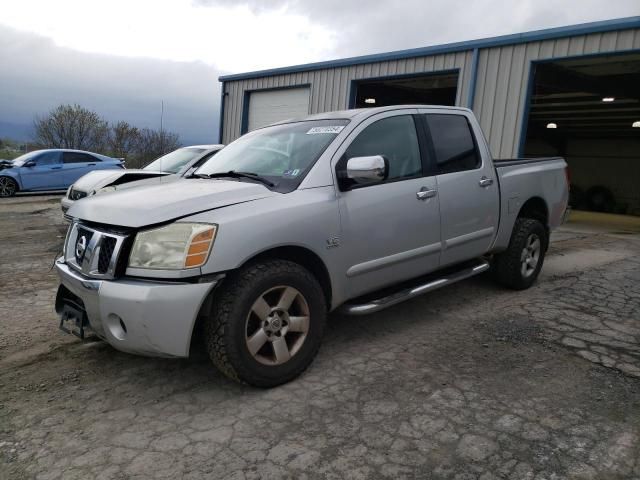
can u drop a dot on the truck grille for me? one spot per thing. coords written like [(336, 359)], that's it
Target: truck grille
[(95, 253), (106, 253)]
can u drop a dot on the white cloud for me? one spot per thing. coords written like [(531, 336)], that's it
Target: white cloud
[(242, 35), (232, 38), (93, 52)]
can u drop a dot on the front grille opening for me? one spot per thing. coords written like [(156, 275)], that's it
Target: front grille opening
[(106, 252), (64, 295), (123, 257)]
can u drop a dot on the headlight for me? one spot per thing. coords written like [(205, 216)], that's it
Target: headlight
[(174, 247)]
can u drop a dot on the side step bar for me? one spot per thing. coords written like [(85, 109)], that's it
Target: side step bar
[(432, 284)]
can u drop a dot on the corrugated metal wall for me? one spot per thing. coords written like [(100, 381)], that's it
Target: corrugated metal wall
[(330, 87), (501, 88), (503, 79)]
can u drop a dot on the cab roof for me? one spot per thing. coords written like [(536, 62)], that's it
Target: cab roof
[(363, 112)]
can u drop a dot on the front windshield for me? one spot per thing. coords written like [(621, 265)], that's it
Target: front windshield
[(281, 154), (174, 161), (19, 161)]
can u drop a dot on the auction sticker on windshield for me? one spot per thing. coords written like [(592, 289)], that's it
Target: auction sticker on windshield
[(316, 130), (291, 173)]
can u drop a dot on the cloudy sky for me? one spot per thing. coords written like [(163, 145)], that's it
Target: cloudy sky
[(123, 57)]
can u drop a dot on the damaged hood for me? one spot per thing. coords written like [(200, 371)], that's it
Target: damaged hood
[(4, 164), (150, 204), (98, 179)]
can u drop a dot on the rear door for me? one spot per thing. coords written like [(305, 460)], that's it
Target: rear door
[(467, 186), (77, 164), (46, 174), (390, 230)]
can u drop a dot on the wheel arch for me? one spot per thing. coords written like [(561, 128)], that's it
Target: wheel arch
[(537, 209), (294, 253), (14, 178), (302, 256)]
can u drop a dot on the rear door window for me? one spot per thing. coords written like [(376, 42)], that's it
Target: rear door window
[(453, 143), (77, 157)]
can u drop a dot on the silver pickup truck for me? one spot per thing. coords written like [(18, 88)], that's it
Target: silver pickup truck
[(352, 211)]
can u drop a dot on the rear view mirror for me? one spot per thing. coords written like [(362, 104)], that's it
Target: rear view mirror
[(363, 170), (29, 164)]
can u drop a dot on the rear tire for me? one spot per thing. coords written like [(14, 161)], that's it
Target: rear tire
[(519, 265), (8, 187), (266, 323), (600, 199)]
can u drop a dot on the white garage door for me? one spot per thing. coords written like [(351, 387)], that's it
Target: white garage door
[(276, 105)]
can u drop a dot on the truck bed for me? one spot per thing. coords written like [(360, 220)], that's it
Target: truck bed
[(542, 179)]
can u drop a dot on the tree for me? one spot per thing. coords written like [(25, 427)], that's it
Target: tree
[(155, 143), (123, 139), (71, 126)]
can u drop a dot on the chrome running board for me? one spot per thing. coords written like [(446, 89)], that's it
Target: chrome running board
[(435, 282)]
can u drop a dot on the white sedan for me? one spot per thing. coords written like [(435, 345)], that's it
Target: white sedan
[(180, 162)]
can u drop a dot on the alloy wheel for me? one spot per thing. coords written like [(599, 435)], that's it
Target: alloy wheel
[(530, 255), (277, 325), (7, 187)]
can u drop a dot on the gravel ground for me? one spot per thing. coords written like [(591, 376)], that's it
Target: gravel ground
[(471, 382)]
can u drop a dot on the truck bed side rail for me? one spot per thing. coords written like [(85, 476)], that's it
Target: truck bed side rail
[(507, 162)]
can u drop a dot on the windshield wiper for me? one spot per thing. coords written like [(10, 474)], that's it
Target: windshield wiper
[(234, 174)]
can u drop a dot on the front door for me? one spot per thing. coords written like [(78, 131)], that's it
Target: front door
[(467, 187), (390, 230), (45, 174)]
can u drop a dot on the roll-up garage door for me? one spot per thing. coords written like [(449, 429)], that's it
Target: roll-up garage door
[(276, 105)]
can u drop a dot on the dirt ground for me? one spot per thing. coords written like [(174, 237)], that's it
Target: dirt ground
[(470, 382)]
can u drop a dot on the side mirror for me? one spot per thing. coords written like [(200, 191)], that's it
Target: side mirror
[(363, 170), (29, 164)]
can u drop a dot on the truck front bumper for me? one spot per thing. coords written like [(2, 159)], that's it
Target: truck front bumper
[(136, 316)]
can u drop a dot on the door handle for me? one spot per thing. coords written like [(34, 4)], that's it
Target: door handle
[(424, 193), (485, 182), (91, 164), (56, 168)]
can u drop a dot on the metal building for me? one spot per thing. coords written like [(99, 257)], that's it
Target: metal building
[(572, 91)]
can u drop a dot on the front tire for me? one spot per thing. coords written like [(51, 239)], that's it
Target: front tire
[(518, 267), (266, 323), (8, 187)]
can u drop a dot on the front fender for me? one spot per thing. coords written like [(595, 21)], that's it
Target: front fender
[(12, 173), (306, 219)]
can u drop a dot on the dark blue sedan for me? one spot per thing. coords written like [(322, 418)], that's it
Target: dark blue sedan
[(53, 169)]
